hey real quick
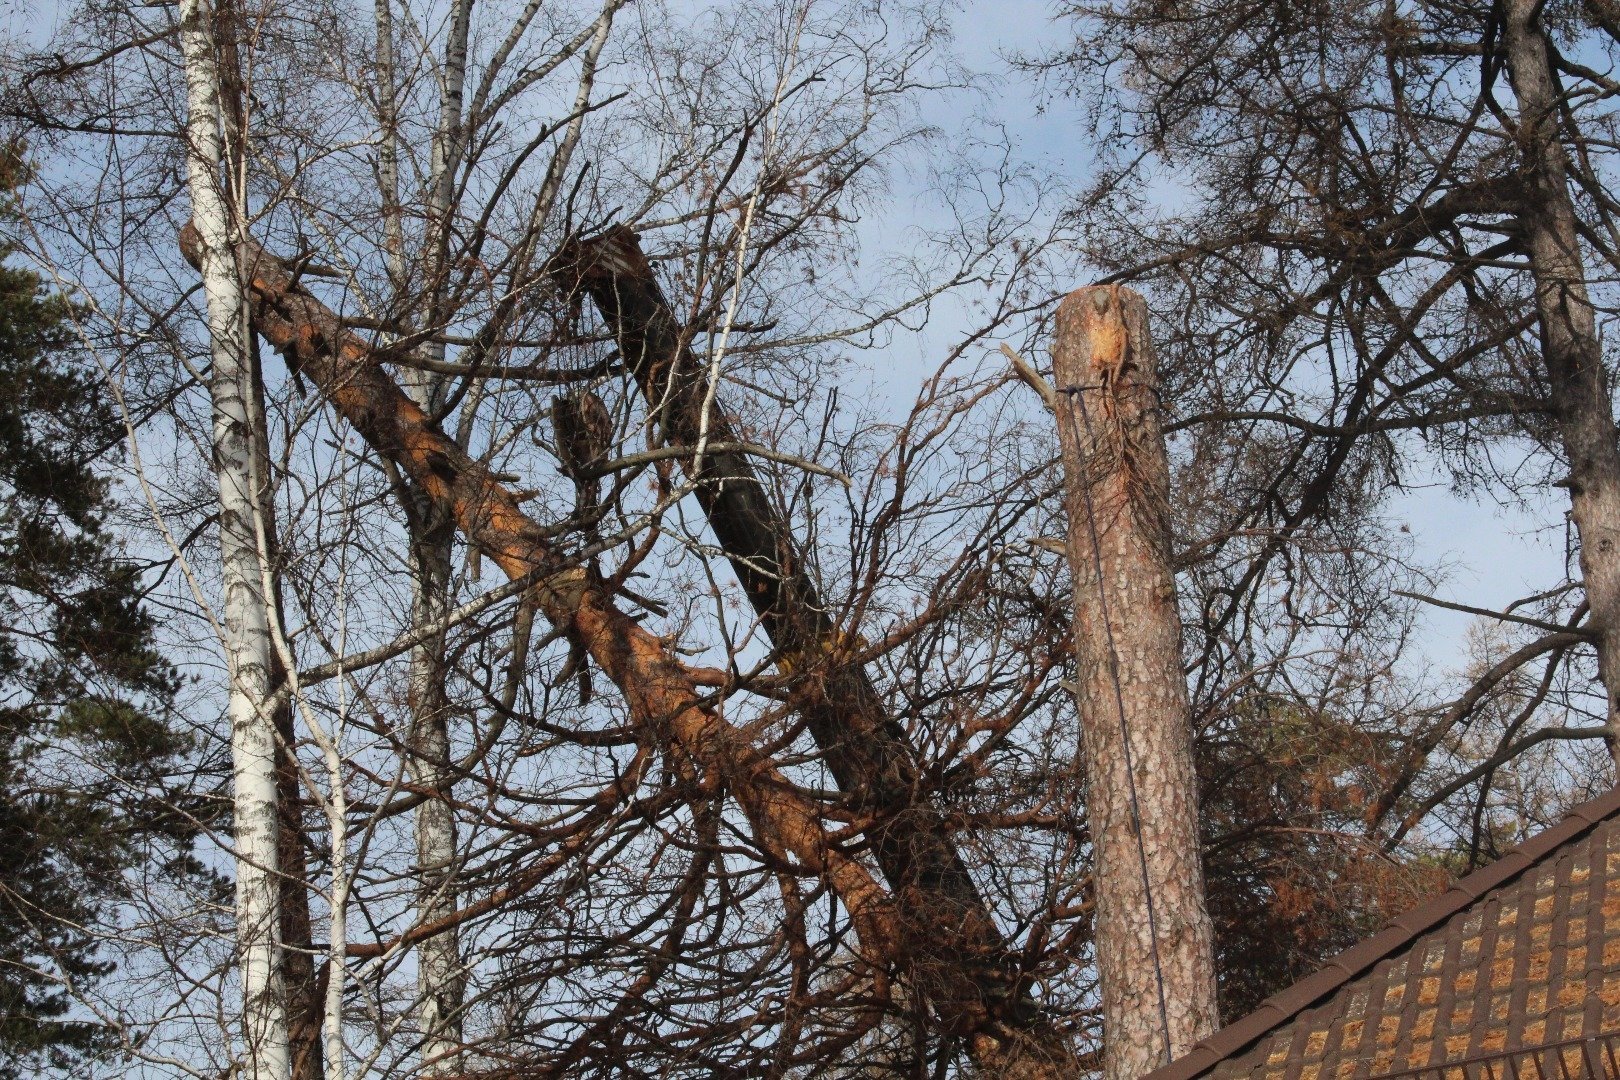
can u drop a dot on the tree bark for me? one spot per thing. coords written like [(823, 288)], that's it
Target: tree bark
[(1570, 350), (249, 651), (444, 159), (1155, 955), (440, 980), (970, 976), (299, 974)]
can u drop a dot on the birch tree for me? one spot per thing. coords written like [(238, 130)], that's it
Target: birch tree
[(756, 759), (244, 615)]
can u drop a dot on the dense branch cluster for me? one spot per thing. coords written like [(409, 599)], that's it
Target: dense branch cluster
[(760, 755)]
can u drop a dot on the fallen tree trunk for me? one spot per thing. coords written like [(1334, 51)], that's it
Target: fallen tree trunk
[(967, 972), (663, 694)]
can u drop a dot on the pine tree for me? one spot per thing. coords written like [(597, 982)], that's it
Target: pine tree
[(84, 748)]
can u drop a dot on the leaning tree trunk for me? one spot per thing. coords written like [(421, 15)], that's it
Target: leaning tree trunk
[(970, 976), (1570, 350), (249, 651), (1155, 955), (664, 695)]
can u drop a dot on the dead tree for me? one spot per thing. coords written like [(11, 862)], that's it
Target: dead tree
[(665, 696), (932, 929), (1155, 954), (1410, 262), (957, 958), (584, 433)]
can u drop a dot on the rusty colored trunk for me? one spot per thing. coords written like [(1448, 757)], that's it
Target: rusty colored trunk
[(1154, 943), (662, 693)]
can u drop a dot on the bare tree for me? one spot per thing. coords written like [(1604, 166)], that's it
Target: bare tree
[(821, 810), (1383, 269), (534, 810), (246, 615)]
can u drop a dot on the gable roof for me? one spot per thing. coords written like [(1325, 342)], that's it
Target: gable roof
[(1522, 953)]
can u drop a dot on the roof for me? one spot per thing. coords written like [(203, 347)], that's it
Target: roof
[(1522, 953)]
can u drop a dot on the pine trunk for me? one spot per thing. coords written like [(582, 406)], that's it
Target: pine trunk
[(299, 974), (1154, 942), (1570, 350), (959, 962)]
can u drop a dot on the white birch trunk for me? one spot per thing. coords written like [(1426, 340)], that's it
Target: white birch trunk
[(439, 975), (388, 146), (447, 136), (248, 644), (440, 978)]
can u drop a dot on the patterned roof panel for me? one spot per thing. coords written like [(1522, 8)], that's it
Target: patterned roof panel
[(1522, 954)]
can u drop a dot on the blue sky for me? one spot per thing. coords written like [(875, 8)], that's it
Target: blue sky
[(1491, 555)]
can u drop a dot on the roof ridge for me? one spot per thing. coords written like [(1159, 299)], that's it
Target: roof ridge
[(1359, 958)]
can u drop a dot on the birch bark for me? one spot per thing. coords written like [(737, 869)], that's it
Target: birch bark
[(441, 981), (249, 649), (439, 978)]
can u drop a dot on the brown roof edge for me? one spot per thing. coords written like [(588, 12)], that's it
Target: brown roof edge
[(1284, 1005)]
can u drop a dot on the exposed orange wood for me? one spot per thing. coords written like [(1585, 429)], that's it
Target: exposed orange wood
[(662, 693)]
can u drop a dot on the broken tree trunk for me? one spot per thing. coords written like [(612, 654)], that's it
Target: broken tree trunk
[(663, 694), (1571, 352), (1153, 937), (958, 959)]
